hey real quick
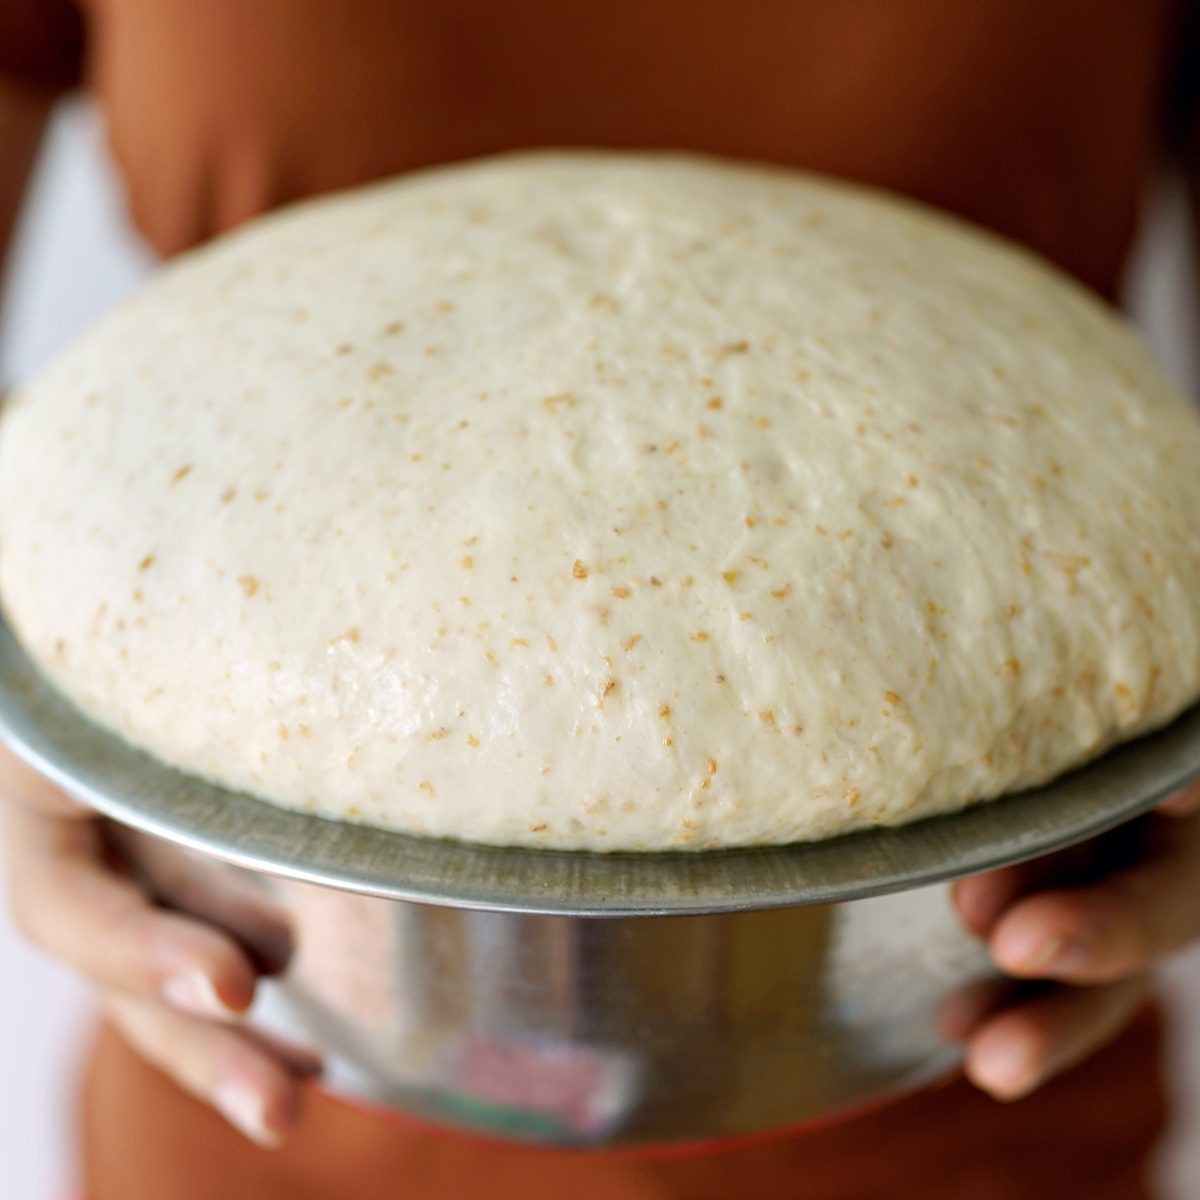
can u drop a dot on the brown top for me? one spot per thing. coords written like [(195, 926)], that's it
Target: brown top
[(1040, 120), (1086, 1136)]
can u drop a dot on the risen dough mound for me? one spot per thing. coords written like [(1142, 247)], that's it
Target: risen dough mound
[(610, 502)]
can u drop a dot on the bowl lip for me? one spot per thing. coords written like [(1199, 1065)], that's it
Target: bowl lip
[(43, 727)]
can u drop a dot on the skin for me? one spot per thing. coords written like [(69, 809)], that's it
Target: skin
[(1092, 928), (176, 986), (175, 965)]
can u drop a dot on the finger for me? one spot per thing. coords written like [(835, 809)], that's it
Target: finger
[(213, 892), (1018, 1050), (302, 1061), (243, 1080), (1121, 925), (982, 900), (1184, 803), (967, 1007), (23, 786), (67, 901)]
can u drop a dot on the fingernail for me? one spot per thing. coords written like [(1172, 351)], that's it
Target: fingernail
[(1033, 954), (194, 992), (1069, 955), (1036, 954), (1006, 1068), (243, 1108)]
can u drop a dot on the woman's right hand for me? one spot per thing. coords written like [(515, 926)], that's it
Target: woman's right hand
[(174, 971)]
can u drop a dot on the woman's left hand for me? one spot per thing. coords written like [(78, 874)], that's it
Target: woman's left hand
[(1090, 930)]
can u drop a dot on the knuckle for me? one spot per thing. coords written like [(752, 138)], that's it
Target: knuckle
[(1065, 916), (161, 1039), (31, 916), (1069, 912), (1091, 913), (1044, 1047), (143, 1033), (24, 915)]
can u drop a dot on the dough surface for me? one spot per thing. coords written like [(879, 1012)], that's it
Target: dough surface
[(599, 501)]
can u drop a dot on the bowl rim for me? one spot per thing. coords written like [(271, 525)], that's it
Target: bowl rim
[(46, 730)]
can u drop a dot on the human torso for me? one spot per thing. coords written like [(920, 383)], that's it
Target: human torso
[(1036, 119)]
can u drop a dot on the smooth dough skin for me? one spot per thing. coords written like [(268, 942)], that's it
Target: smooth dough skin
[(600, 501)]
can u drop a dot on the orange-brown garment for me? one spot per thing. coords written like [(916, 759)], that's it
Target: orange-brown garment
[(1041, 120), (1083, 1137), (1037, 119)]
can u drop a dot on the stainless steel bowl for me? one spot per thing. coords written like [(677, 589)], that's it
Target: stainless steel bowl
[(603, 999)]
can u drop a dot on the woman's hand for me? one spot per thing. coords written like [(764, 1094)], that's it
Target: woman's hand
[(174, 985), (1090, 924)]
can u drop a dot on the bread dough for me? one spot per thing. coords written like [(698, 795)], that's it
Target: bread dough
[(610, 501)]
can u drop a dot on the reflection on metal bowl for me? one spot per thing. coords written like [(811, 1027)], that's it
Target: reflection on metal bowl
[(632, 1030)]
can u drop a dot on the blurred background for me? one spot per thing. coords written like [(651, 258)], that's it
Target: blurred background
[(75, 256)]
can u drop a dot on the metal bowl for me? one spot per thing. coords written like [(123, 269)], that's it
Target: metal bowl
[(722, 993)]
